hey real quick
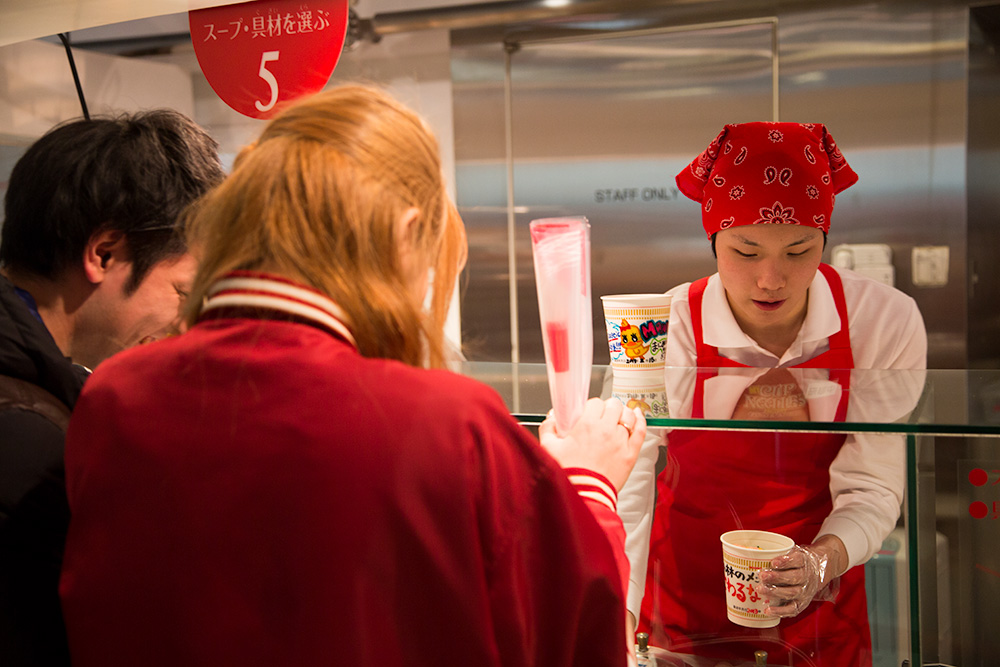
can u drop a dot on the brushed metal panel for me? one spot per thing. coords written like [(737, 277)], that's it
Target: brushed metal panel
[(600, 129), (890, 83), (984, 187)]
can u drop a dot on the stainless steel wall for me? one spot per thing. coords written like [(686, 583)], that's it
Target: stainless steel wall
[(601, 121), (983, 186)]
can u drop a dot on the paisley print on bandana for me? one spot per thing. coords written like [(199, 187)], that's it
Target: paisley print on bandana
[(752, 173), (771, 174), (777, 214), (837, 161)]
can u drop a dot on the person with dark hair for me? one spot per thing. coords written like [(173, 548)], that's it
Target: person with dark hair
[(774, 335), (91, 263)]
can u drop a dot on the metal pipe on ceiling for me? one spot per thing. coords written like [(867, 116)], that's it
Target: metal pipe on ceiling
[(489, 14), (499, 14)]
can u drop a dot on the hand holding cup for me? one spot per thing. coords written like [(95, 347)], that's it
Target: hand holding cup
[(806, 573)]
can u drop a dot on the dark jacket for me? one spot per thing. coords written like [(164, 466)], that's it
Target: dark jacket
[(38, 388)]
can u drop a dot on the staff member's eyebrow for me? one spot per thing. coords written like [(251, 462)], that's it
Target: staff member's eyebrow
[(747, 241), (805, 239)]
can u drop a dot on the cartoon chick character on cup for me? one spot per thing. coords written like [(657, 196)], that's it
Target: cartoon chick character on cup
[(632, 342)]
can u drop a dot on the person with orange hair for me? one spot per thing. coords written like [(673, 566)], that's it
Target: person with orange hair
[(287, 483), (774, 323)]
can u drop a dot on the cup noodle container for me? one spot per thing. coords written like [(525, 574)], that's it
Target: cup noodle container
[(645, 390), (637, 330), (744, 552)]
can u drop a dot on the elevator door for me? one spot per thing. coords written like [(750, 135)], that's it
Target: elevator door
[(598, 128)]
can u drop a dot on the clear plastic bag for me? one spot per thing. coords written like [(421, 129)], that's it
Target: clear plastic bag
[(561, 251)]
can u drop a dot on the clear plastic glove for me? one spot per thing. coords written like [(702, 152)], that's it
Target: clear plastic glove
[(606, 439), (804, 574)]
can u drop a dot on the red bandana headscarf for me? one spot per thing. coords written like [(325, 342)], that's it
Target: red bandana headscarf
[(753, 173)]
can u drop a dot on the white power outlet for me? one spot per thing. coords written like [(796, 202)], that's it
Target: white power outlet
[(930, 265), (869, 259), (856, 255)]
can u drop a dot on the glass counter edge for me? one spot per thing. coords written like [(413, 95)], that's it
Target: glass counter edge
[(530, 419)]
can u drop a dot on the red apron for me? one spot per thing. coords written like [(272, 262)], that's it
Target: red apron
[(716, 481)]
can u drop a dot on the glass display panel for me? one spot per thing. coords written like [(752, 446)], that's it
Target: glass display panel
[(761, 449)]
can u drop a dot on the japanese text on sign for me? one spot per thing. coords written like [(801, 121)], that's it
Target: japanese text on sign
[(273, 24)]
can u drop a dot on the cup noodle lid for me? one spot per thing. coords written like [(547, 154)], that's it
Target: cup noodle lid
[(638, 300)]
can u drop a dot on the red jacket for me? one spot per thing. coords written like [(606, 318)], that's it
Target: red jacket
[(255, 492)]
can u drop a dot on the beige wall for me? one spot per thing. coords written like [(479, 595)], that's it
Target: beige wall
[(37, 90)]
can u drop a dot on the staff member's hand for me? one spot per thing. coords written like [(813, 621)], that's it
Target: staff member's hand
[(605, 440), (804, 574)]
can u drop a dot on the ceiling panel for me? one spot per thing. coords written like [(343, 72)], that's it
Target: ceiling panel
[(22, 20)]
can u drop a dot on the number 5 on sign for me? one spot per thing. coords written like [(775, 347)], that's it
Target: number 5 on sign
[(265, 74), (238, 48)]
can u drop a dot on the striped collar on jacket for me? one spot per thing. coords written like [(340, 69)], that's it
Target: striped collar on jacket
[(262, 294)]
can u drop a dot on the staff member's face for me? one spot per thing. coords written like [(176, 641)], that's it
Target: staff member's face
[(766, 270)]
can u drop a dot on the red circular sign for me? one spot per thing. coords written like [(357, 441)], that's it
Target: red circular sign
[(258, 56)]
